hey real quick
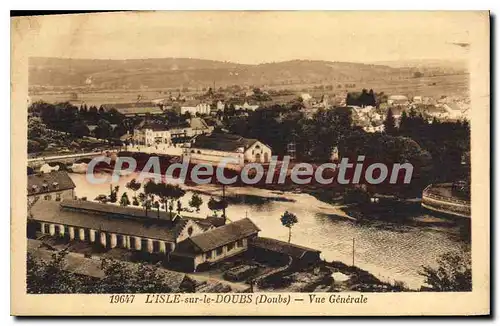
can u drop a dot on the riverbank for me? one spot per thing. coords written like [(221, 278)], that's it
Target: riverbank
[(360, 280), (261, 196), (388, 248)]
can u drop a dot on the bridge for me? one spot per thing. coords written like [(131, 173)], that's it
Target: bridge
[(439, 198), (37, 162)]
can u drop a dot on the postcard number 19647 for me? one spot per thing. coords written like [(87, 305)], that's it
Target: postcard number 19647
[(122, 298)]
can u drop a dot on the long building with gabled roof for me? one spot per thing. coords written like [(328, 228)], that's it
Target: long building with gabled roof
[(188, 240)]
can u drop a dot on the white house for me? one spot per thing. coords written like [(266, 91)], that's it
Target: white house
[(151, 134), (220, 106), (305, 97), (398, 100), (454, 111), (154, 134), (195, 107), (213, 148), (417, 99), (246, 106)]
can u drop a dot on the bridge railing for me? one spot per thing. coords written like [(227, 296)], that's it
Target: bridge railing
[(61, 157)]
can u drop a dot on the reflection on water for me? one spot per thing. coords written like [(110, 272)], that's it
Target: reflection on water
[(389, 250)]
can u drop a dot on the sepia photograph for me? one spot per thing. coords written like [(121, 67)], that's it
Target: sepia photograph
[(226, 161)]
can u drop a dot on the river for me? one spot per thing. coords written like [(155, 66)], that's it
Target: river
[(388, 250)]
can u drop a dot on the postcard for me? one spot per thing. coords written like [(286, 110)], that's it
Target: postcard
[(244, 163)]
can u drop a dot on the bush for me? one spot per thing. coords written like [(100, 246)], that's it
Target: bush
[(356, 196), (453, 274)]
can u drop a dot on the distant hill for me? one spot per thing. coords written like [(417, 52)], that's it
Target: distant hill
[(445, 65), (185, 72)]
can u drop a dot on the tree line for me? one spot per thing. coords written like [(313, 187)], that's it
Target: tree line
[(435, 149), (159, 196), (75, 120), (51, 277), (447, 142)]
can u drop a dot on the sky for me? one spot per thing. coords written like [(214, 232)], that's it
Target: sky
[(255, 37)]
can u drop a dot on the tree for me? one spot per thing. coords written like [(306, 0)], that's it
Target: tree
[(49, 277), (196, 202), (390, 123), (403, 123), (124, 201), (36, 128), (453, 273), (156, 205), (150, 189), (179, 207), (175, 193), (134, 186), (216, 205), (288, 219), (120, 277), (79, 129), (34, 146), (145, 201), (113, 195), (103, 129)]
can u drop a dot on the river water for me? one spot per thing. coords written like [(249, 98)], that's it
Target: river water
[(388, 250)]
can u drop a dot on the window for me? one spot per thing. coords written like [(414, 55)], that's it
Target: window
[(219, 251), (230, 246), (58, 197), (190, 230), (156, 246), (239, 243), (208, 255), (47, 197)]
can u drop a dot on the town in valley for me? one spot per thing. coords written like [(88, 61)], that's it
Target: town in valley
[(134, 235)]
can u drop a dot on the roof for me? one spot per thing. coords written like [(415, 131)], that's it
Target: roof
[(398, 97), (49, 182), (210, 122), (225, 234), (135, 108), (178, 125), (155, 126), (453, 106), (396, 110), (192, 103), (222, 142), (126, 211), (108, 218), (198, 124), (77, 264), (282, 247), (119, 106), (140, 111)]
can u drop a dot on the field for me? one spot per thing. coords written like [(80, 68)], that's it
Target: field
[(437, 86)]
